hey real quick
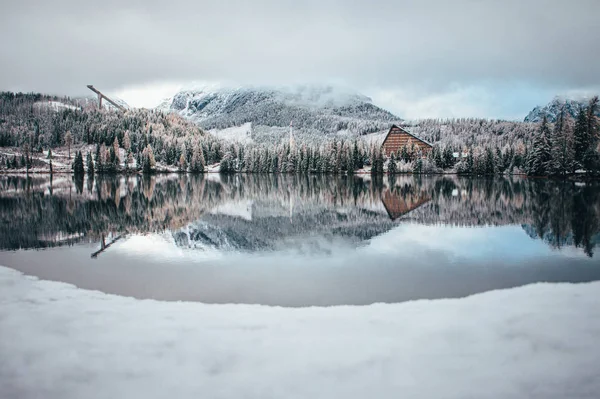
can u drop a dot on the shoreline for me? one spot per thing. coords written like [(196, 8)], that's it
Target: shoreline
[(573, 177)]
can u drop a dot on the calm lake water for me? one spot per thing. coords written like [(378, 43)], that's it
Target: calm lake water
[(299, 240)]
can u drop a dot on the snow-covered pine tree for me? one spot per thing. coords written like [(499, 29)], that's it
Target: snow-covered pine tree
[(591, 158), (541, 152), (392, 167), (581, 140), (90, 164), (562, 146)]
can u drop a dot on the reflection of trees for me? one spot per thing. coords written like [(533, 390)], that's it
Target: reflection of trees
[(35, 212)]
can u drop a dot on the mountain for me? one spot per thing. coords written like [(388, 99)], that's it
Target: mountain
[(552, 109), (265, 113)]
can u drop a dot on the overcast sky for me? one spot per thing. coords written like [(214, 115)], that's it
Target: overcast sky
[(416, 58)]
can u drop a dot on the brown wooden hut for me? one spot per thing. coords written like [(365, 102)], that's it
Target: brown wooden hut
[(399, 137)]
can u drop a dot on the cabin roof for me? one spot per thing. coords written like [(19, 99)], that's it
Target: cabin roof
[(405, 130)]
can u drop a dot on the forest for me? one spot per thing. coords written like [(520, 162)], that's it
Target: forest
[(34, 126)]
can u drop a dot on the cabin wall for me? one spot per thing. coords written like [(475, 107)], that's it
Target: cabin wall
[(397, 139)]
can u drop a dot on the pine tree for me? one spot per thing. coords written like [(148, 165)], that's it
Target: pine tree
[(418, 166), (90, 164), (581, 140), (591, 159), (541, 153), (99, 160), (562, 146), (197, 164), (126, 141), (469, 163), (227, 164), (489, 162), (392, 167), (78, 168), (499, 160), (448, 158)]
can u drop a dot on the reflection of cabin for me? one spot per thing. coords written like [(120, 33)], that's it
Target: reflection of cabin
[(399, 137), (398, 205)]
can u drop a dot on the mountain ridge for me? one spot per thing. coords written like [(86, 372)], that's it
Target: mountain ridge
[(551, 110), (312, 110)]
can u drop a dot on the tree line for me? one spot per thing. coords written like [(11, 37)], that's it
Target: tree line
[(141, 140)]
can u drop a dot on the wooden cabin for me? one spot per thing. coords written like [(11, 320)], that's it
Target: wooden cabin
[(399, 137)]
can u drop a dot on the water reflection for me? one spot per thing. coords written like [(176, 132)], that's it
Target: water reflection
[(256, 213)]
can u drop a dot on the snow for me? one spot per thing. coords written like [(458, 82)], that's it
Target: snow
[(57, 105), (237, 134), (58, 341)]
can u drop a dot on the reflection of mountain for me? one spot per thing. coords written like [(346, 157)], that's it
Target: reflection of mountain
[(267, 230), (262, 212)]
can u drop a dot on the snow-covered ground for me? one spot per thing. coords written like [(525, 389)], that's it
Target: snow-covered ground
[(237, 134), (58, 341)]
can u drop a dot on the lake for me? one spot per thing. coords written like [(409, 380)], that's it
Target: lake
[(299, 240)]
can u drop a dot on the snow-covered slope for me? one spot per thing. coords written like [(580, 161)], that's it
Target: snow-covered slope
[(59, 341), (553, 108), (317, 110), (55, 105)]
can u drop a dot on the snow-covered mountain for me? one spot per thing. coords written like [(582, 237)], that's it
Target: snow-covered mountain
[(552, 109), (266, 112)]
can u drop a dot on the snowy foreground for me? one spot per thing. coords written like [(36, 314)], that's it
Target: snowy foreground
[(57, 341)]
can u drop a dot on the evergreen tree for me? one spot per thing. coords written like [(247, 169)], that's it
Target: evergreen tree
[(227, 163), (489, 162), (197, 164), (581, 140), (591, 159), (562, 146), (99, 160), (469, 163), (418, 166), (392, 167), (90, 164), (499, 159), (541, 153), (448, 158), (78, 167)]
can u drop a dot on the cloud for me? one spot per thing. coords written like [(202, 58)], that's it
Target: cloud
[(434, 47)]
